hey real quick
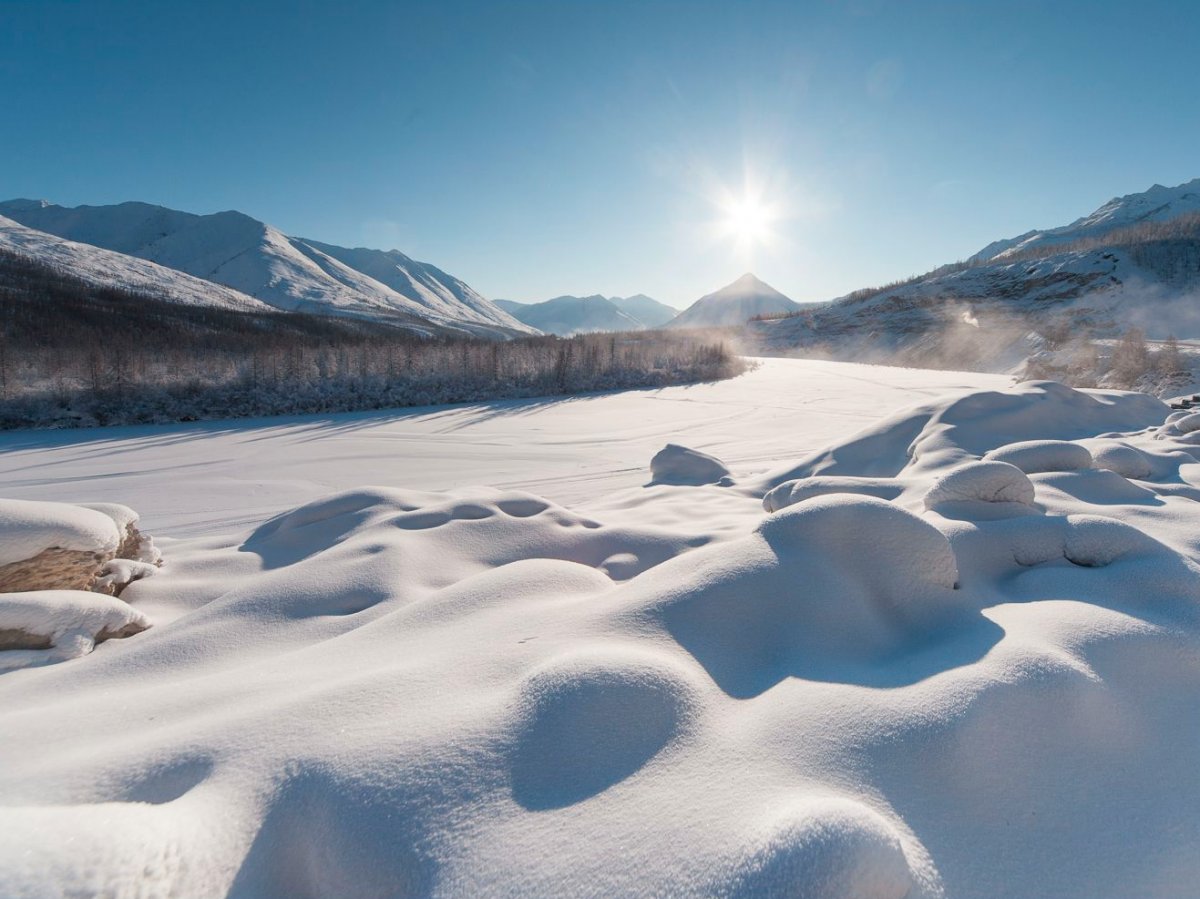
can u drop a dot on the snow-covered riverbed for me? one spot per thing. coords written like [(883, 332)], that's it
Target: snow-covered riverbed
[(921, 674)]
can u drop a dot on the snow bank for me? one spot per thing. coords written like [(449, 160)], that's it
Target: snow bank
[(675, 464)]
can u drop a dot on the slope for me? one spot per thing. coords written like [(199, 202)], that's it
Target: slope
[(287, 273)]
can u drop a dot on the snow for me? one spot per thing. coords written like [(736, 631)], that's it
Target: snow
[(734, 304), (29, 527), (67, 622), (1156, 204), (237, 251), (675, 464), (1033, 456), (575, 683), (108, 269)]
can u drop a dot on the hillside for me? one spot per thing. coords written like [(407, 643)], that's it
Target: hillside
[(1134, 263), (104, 268), (288, 273)]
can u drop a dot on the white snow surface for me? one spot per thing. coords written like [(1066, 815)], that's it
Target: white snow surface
[(28, 527), (571, 684)]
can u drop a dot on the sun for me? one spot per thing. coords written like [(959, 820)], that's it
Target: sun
[(748, 220)]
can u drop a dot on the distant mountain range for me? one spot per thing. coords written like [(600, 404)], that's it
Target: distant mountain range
[(567, 315), (259, 263), (1134, 262), (735, 304)]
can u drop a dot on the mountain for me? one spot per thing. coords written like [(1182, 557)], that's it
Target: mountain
[(1134, 262), (650, 312), (1158, 204), (105, 268), (735, 304), (569, 315), (287, 273)]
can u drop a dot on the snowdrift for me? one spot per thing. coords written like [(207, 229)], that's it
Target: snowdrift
[(914, 673)]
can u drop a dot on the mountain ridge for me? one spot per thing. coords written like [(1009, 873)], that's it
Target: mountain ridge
[(233, 249)]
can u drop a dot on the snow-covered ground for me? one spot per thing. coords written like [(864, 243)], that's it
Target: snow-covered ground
[(959, 656), (216, 477)]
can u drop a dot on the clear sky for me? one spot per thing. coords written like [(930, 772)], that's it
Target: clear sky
[(537, 149)]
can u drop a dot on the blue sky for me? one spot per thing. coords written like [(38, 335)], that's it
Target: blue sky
[(536, 149)]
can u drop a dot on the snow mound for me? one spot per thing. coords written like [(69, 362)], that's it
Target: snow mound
[(1095, 541), (834, 580), (981, 482), (1187, 423), (47, 626), (680, 465), (28, 528), (834, 848), (1034, 456), (590, 721), (1125, 460), (791, 492), (932, 437)]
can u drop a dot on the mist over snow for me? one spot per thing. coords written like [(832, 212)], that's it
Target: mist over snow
[(1036, 303)]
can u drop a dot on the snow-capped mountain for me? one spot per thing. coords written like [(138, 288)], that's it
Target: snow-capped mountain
[(106, 268), (567, 315), (735, 304), (1158, 204), (288, 273), (650, 312), (1134, 262)]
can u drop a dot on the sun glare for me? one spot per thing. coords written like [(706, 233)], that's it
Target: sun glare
[(748, 220)]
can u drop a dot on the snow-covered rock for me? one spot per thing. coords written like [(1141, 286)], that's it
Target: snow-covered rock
[(675, 464), (46, 626)]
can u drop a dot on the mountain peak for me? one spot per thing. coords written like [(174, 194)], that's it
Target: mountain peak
[(735, 304)]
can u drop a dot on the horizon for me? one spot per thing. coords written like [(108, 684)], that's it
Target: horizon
[(546, 150)]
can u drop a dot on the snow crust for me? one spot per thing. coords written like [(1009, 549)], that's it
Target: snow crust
[(656, 690)]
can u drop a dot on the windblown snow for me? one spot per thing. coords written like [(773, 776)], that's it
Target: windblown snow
[(897, 651)]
